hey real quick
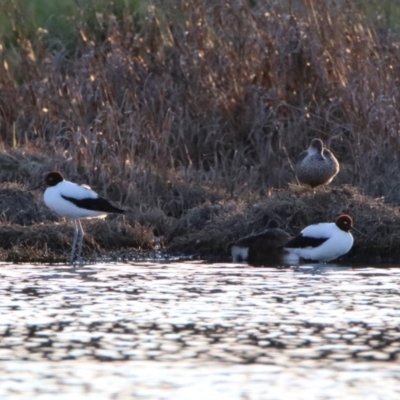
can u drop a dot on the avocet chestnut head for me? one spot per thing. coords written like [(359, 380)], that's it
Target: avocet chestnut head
[(317, 165), (75, 201), (321, 242)]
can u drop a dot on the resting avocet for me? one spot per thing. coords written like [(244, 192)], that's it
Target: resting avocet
[(75, 202), (321, 242), (317, 165), (261, 248)]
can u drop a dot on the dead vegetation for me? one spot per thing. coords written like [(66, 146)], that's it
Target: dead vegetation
[(190, 115), (208, 230)]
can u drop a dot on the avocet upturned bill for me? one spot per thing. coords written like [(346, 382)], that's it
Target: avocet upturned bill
[(317, 165), (75, 202), (321, 242), (264, 247)]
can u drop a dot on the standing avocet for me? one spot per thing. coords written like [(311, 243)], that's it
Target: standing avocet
[(321, 242), (317, 165), (75, 202)]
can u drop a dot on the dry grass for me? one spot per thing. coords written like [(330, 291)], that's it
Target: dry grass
[(51, 242), (174, 110), (208, 230), (218, 95)]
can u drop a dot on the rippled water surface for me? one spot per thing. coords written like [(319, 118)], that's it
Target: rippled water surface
[(199, 331)]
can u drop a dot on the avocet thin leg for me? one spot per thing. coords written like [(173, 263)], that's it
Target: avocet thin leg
[(76, 234), (80, 233), (78, 240)]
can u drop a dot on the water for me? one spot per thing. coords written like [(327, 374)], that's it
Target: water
[(199, 331)]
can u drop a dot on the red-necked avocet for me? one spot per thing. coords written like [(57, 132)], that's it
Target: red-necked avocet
[(261, 248), (317, 165), (321, 242), (75, 202)]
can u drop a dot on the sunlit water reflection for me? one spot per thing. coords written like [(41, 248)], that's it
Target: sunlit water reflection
[(196, 330)]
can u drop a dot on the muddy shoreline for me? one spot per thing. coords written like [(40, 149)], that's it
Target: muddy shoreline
[(29, 232)]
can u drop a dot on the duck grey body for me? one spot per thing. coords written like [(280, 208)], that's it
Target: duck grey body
[(317, 166)]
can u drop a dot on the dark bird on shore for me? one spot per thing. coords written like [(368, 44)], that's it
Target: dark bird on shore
[(261, 248), (317, 165)]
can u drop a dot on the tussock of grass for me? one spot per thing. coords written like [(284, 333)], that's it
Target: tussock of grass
[(183, 113), (208, 230), (119, 234), (51, 242), (21, 207)]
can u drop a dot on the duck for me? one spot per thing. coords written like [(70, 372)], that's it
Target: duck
[(317, 165), (321, 242), (75, 202), (261, 248)]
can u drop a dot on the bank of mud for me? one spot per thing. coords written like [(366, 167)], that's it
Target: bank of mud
[(29, 232)]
